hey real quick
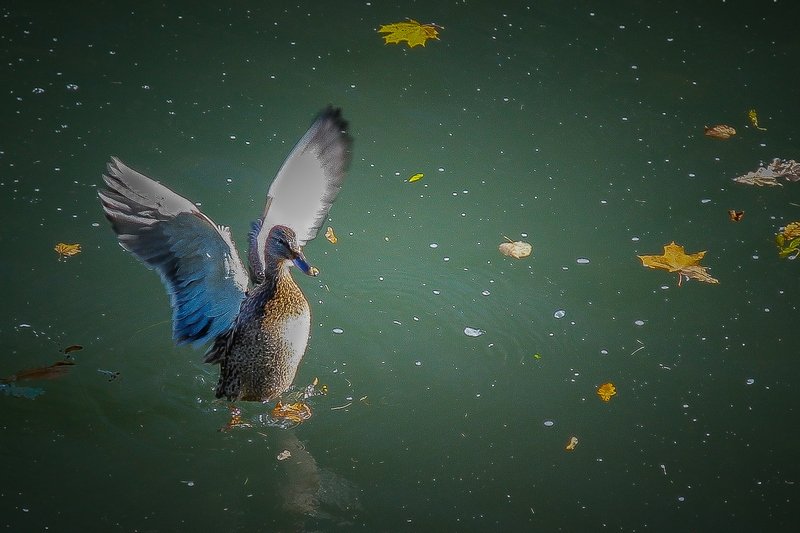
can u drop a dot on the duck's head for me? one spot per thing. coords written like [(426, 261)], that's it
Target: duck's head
[(282, 245)]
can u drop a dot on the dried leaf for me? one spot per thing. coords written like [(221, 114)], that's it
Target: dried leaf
[(515, 249), (571, 444), (752, 178), (410, 31), (331, 236), (285, 454), (56, 370), (699, 273), (416, 177), (675, 259), (753, 116), (606, 391), (720, 131), (735, 215), (67, 250), (788, 169), (792, 230)]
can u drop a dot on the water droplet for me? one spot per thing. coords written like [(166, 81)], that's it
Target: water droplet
[(582, 261), (750, 381), (639, 322), (338, 331), (418, 363), (549, 423), (486, 293), (434, 245), (560, 314)]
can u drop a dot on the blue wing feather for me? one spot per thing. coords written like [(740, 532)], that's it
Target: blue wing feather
[(196, 259)]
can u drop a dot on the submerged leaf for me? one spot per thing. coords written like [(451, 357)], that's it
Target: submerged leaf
[(410, 31), (720, 131), (72, 348), (29, 393), (56, 370), (606, 391), (66, 250)]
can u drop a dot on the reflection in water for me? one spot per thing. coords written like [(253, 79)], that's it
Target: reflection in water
[(311, 492)]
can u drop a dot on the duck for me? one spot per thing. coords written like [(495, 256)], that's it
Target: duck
[(255, 320)]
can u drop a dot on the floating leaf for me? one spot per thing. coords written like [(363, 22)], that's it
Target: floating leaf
[(675, 259), (753, 116), (67, 250), (416, 177), (571, 444), (606, 391), (720, 131), (788, 169), (788, 240), (515, 249), (410, 31), (331, 236), (56, 370), (295, 412), (285, 454), (735, 215), (537, 356)]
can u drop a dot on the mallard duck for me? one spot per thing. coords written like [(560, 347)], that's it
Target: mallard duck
[(257, 319)]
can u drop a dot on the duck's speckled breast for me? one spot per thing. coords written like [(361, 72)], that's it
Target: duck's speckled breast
[(269, 344)]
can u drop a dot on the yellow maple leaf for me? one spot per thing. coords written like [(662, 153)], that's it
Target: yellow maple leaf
[(675, 259), (410, 31)]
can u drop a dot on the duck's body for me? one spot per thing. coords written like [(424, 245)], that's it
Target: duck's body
[(259, 358), (258, 319)]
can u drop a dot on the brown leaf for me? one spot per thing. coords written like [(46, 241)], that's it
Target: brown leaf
[(720, 131), (56, 370)]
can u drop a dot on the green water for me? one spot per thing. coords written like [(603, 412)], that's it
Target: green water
[(576, 126)]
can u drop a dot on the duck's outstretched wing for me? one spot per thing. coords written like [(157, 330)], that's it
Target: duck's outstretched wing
[(196, 258), (306, 185)]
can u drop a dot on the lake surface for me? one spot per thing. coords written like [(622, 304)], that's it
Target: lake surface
[(574, 126)]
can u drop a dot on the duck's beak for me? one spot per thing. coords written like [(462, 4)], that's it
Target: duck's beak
[(301, 263)]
